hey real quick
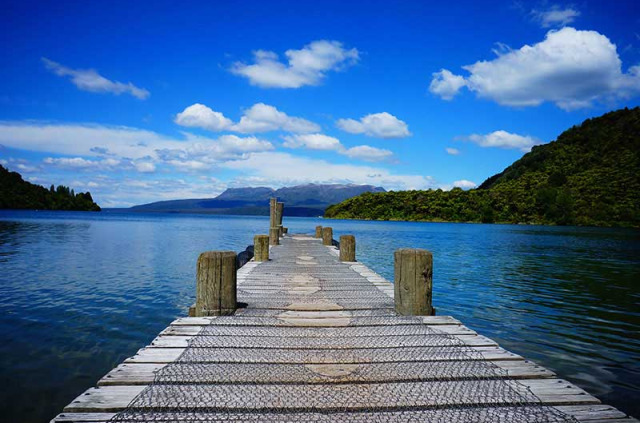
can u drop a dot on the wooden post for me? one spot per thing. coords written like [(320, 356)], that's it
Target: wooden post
[(261, 248), (347, 248), (216, 283), (413, 282), (272, 212), (327, 236), (318, 231), (279, 213), (274, 236)]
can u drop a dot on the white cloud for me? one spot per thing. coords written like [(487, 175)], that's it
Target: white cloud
[(82, 139), (145, 167), (307, 66), (380, 125), (126, 147), (258, 118), (262, 118), (555, 16), (91, 80), (200, 116), (445, 84), (368, 153), (202, 153), (19, 165), (127, 192), (504, 139), (190, 165), (452, 151), (327, 143), (27, 168), (95, 140), (80, 163), (313, 142), (267, 168), (570, 68), (464, 184)]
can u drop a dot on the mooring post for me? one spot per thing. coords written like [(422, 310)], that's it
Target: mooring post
[(285, 230), (327, 236), (279, 212), (274, 236), (318, 231), (347, 248), (216, 283), (261, 248), (272, 212), (413, 282)]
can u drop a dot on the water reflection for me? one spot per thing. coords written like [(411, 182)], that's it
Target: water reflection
[(79, 292)]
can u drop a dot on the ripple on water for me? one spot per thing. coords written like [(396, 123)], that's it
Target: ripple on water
[(79, 292)]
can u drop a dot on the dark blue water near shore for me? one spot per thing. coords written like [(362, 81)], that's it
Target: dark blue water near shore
[(79, 292)]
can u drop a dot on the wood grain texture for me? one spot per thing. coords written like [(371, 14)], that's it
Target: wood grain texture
[(327, 235), (274, 236), (216, 283), (347, 248), (413, 285), (261, 248)]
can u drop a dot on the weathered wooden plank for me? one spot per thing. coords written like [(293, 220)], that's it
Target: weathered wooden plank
[(583, 413), (143, 374), (312, 356), (364, 396), (596, 413), (83, 417), (341, 343), (386, 331), (592, 412), (321, 316)]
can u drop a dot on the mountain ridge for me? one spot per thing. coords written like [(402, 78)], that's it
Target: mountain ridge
[(588, 176), (301, 200)]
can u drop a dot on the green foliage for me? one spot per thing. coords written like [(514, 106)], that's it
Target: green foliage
[(588, 176), (15, 193)]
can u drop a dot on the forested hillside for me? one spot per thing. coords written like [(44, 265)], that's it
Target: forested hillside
[(16, 193), (588, 176)]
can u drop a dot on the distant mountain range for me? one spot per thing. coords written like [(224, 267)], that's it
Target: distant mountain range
[(300, 200)]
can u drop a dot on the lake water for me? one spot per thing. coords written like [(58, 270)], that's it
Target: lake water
[(79, 292)]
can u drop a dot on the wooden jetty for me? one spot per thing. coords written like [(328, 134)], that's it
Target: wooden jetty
[(318, 336)]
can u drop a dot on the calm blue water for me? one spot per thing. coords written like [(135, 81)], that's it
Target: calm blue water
[(79, 292)]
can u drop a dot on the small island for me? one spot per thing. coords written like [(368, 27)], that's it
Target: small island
[(16, 193)]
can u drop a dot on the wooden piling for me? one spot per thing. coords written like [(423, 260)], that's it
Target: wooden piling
[(274, 236), (347, 248), (216, 284), (413, 282), (327, 236), (261, 248), (272, 212), (318, 231), (279, 211)]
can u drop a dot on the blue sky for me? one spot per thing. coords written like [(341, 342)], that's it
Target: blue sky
[(148, 101)]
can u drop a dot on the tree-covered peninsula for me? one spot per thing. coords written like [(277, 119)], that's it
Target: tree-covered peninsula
[(16, 193), (590, 175)]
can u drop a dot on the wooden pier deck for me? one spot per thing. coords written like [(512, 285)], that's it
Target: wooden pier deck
[(318, 340)]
